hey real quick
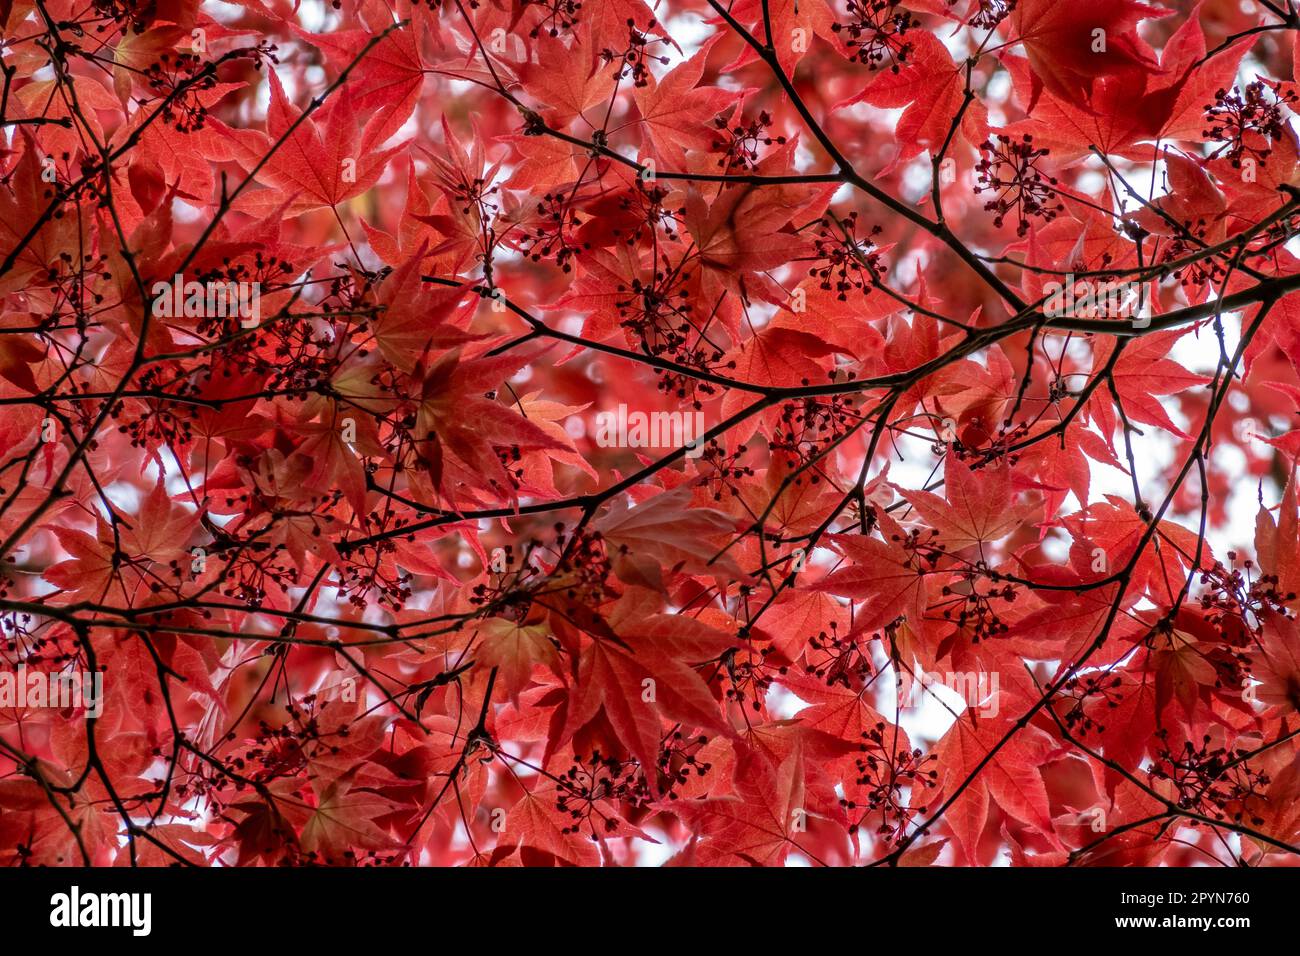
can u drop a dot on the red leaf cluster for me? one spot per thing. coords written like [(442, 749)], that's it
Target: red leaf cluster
[(554, 433)]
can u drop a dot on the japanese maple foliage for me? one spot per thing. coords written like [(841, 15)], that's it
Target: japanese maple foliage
[(541, 432)]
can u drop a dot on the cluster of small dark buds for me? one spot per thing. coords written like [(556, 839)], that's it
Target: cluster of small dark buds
[(511, 459), (842, 661), (678, 757), (811, 424), (998, 453), (739, 144), (1191, 242), (989, 13), (587, 782), (93, 185), (723, 472), (161, 419), (137, 14), (75, 287), (1210, 780), (558, 16), (657, 312), (885, 771), (1239, 595), (975, 611), (551, 240), (1084, 689), (660, 317), (511, 582), (351, 290), (186, 74), (472, 194), (646, 202), (583, 566), (253, 570), (1009, 168), (875, 33), (748, 679), (1237, 117), (633, 60), (361, 581), (922, 544), (13, 625), (846, 261)]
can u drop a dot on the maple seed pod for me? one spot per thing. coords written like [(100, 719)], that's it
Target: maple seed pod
[(498, 820), (199, 564), (348, 173), (648, 690), (49, 431), (1098, 40)]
